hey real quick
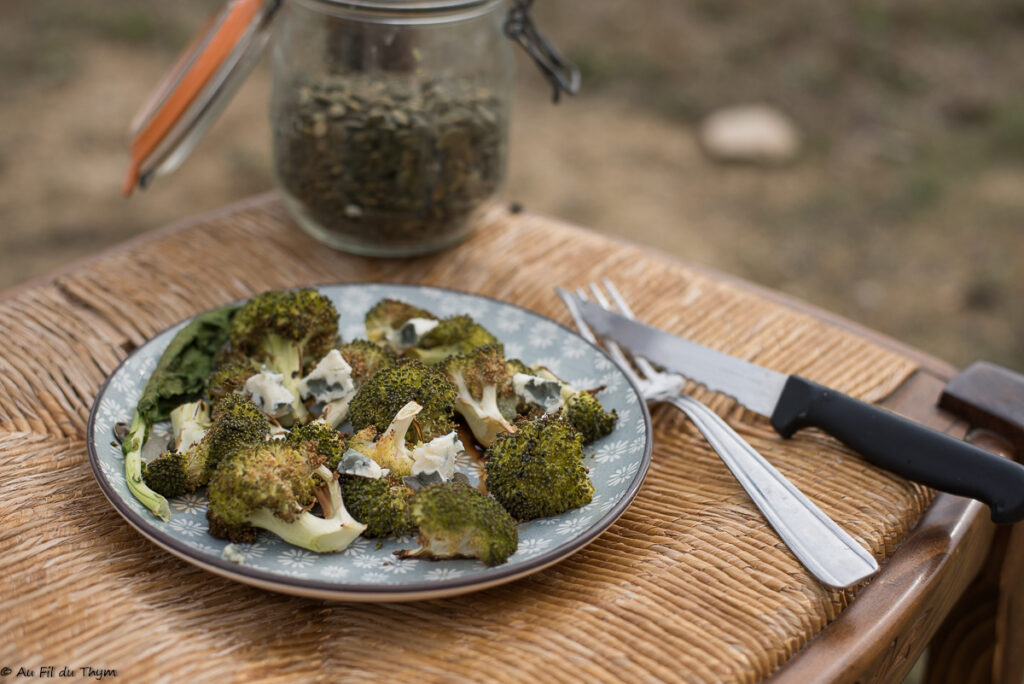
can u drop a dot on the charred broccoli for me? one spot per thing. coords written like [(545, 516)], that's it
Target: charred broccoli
[(378, 401), (412, 331), (458, 521), (391, 449), (328, 442), (542, 389), (538, 470), (177, 472), (237, 423), (366, 358), (333, 383), (584, 412), (456, 335), (272, 486), (396, 324), (382, 504), (229, 378), (479, 377), (286, 332)]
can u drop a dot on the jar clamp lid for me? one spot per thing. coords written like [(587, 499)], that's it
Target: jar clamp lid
[(199, 86)]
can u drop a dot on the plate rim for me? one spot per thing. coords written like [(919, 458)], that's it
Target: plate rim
[(314, 588)]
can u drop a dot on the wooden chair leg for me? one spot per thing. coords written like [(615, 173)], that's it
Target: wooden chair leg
[(1008, 664), (981, 640)]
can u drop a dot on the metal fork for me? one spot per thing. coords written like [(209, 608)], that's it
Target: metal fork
[(828, 552)]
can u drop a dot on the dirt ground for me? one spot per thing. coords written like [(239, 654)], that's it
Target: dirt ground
[(904, 211)]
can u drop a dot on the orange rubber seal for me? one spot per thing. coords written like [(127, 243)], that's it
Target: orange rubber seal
[(195, 71)]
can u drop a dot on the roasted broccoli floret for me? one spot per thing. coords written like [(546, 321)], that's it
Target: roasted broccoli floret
[(328, 441), (366, 358), (391, 450), (237, 423), (378, 401), (458, 521), (229, 378), (542, 389), (272, 486), (585, 413), (456, 335), (286, 332), (177, 472), (479, 377), (382, 504), (386, 323), (183, 468), (538, 470)]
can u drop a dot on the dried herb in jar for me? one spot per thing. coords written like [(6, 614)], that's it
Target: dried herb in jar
[(393, 160)]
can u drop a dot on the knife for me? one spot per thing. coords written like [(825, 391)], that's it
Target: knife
[(791, 403)]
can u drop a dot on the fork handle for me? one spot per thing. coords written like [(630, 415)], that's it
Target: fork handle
[(832, 555)]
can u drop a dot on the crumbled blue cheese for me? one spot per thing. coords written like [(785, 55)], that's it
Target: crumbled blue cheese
[(418, 482), (438, 455), (329, 381), (354, 463), (266, 389), (538, 391), (411, 332), (233, 554)]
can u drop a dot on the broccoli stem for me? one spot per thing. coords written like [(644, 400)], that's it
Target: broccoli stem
[(322, 535), (435, 355), (189, 422), (400, 425), (332, 533), (483, 416), (285, 358), (132, 450), (336, 411)]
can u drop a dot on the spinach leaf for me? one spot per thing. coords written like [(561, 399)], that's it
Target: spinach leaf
[(181, 373)]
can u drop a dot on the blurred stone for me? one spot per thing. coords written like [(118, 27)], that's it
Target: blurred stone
[(968, 108), (756, 134)]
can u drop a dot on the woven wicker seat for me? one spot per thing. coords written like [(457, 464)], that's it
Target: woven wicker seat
[(690, 584)]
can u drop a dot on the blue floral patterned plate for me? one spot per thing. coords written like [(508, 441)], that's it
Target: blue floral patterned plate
[(367, 571)]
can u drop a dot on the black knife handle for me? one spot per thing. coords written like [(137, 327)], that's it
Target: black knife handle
[(904, 447)]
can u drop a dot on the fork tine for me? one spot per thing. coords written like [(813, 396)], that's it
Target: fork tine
[(617, 297), (620, 302), (612, 346), (588, 334), (574, 311)]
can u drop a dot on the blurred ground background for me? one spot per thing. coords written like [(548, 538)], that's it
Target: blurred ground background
[(904, 209)]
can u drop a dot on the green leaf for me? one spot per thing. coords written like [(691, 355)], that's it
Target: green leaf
[(184, 366)]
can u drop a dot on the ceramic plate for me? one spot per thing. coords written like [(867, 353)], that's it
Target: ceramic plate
[(364, 572)]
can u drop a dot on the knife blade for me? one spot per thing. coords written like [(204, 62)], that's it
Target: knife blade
[(792, 403)]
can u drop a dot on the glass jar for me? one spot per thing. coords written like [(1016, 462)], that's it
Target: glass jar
[(390, 119)]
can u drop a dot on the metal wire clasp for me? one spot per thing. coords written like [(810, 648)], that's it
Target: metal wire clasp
[(562, 74)]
